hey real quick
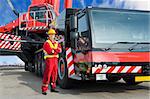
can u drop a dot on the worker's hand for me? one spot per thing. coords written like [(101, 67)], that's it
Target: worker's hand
[(53, 51)]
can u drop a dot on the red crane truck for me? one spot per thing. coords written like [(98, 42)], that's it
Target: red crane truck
[(104, 44), (98, 43)]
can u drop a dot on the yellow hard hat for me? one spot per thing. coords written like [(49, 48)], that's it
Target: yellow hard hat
[(51, 31)]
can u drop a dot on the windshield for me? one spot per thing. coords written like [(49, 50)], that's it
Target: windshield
[(117, 26), (40, 13)]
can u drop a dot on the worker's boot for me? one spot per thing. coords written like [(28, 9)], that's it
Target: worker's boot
[(44, 93), (53, 87), (44, 89)]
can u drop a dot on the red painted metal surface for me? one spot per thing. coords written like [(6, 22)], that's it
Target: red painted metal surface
[(68, 3), (54, 3), (113, 57), (10, 26)]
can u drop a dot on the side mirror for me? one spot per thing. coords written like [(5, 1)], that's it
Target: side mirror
[(73, 22), (74, 35)]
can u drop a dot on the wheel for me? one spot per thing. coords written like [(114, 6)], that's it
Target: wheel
[(43, 65), (39, 63), (30, 67), (63, 80), (36, 65), (112, 78), (26, 67), (131, 80)]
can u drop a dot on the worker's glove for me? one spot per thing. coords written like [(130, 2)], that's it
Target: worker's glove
[(53, 51)]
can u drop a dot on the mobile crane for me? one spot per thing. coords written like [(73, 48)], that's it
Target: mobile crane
[(98, 43), (25, 35)]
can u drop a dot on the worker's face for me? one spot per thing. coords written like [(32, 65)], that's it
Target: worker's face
[(52, 37)]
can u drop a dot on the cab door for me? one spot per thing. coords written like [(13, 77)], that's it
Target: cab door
[(83, 41)]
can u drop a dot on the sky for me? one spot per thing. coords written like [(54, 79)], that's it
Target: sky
[(22, 6), (10, 60)]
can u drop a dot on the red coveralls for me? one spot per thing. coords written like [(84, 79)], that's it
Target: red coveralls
[(51, 50)]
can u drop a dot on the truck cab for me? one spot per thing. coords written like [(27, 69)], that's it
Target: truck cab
[(105, 44), (113, 31)]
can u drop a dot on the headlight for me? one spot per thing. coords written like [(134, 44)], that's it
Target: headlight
[(105, 66)]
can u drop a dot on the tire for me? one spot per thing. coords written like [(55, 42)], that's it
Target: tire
[(130, 80), (43, 65), (36, 65), (39, 63), (26, 67), (63, 80), (112, 78), (30, 67)]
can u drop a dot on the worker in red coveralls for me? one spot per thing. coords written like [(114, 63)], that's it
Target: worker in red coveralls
[(51, 49)]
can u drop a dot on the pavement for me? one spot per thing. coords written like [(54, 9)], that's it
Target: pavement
[(19, 84)]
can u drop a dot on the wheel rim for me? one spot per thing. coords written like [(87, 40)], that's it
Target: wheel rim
[(61, 68)]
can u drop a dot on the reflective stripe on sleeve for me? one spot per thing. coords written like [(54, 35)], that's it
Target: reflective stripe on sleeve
[(50, 56)]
